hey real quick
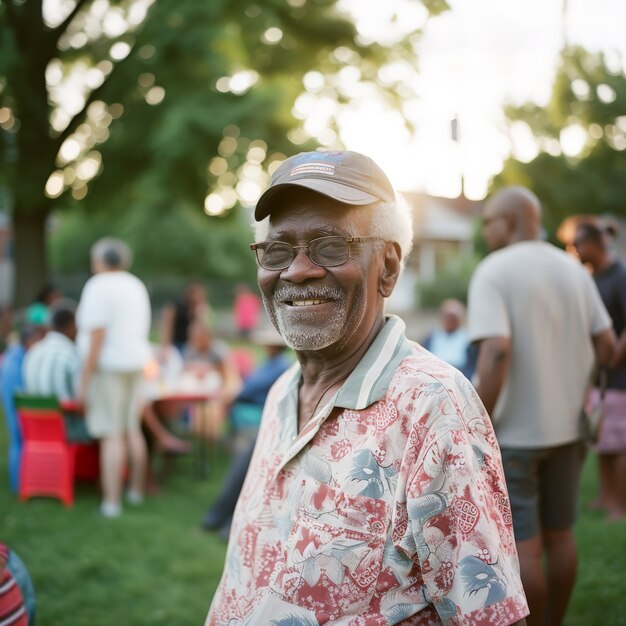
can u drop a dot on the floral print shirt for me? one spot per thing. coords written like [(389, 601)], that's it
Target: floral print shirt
[(389, 507)]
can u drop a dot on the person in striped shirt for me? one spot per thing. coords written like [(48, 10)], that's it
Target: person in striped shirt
[(52, 365), (17, 594)]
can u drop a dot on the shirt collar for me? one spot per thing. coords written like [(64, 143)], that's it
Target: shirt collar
[(57, 337), (370, 380)]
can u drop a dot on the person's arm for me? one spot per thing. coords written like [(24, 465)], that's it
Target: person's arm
[(231, 381), (494, 355), (605, 347), (167, 324), (620, 351), (96, 339)]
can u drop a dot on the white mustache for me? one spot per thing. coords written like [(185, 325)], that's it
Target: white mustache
[(320, 292)]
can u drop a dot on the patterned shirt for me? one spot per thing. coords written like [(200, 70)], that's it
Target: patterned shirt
[(389, 507)]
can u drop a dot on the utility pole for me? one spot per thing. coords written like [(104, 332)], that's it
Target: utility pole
[(455, 133)]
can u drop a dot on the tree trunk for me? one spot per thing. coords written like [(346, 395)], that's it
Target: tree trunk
[(30, 258)]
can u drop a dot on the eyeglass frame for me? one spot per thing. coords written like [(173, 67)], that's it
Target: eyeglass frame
[(348, 241)]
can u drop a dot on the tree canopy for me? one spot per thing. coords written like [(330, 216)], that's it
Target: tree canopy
[(134, 115), (581, 137)]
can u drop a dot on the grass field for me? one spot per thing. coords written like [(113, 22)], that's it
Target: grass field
[(154, 566)]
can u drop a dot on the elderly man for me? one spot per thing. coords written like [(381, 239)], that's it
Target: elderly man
[(375, 494), (113, 320), (539, 320)]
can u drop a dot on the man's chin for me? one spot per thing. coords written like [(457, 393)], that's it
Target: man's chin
[(306, 340)]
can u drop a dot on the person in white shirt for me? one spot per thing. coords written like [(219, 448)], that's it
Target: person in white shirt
[(113, 321)]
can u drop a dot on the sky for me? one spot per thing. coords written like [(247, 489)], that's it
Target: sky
[(473, 59)]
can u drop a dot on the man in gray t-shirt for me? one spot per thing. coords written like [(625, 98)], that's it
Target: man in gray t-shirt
[(539, 322)]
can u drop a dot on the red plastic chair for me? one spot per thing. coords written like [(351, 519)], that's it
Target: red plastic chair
[(49, 462)]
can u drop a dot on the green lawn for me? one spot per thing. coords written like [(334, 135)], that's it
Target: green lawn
[(154, 566)]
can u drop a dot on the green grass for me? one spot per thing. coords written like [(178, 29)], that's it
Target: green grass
[(151, 566), (154, 566)]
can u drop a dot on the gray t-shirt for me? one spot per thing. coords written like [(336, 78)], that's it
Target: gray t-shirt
[(549, 306)]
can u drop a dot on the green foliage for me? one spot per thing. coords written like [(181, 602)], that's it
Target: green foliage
[(175, 243), (451, 282), (588, 94), (201, 81)]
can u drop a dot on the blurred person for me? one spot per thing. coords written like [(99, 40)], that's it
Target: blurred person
[(539, 321), (246, 310), (179, 315), (113, 319), (52, 367), (609, 274), (38, 312), (12, 381), (375, 493), (244, 416), (208, 369), (18, 603), (162, 373), (6, 321), (451, 342)]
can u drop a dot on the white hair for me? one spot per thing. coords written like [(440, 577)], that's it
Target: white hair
[(113, 253), (391, 221)]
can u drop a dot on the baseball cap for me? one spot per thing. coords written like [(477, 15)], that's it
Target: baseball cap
[(345, 176)]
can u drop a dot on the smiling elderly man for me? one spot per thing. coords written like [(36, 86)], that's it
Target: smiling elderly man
[(376, 493)]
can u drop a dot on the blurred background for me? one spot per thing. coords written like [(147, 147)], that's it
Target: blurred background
[(161, 121)]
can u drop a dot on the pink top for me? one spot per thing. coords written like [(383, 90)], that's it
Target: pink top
[(246, 309)]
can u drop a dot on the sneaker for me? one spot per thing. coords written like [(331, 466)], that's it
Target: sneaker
[(134, 497), (110, 509)]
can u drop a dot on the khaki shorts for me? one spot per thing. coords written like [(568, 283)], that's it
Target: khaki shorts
[(114, 403)]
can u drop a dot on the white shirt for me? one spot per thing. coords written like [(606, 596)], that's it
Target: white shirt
[(549, 306), (118, 302)]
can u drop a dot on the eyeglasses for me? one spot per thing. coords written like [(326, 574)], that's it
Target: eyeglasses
[(324, 251)]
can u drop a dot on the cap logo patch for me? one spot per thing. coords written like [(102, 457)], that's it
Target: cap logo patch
[(313, 168)]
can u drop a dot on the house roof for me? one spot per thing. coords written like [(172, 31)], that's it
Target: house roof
[(444, 219)]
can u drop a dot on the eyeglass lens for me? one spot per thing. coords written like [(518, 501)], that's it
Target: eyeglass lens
[(324, 251)]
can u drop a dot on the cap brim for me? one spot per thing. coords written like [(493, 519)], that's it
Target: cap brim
[(328, 188)]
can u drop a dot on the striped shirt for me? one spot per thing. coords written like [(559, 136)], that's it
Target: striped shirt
[(12, 609), (388, 507), (51, 367)]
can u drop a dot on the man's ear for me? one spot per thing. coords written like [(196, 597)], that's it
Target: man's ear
[(389, 269)]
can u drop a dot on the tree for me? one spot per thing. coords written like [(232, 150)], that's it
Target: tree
[(172, 105), (581, 137)]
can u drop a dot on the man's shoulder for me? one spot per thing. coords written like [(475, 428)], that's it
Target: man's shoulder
[(421, 367), (619, 270)]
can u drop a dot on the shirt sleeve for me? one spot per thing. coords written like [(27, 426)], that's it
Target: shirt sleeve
[(459, 527), (487, 312), (600, 318), (93, 308)]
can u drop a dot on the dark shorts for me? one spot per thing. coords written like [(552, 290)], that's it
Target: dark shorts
[(543, 487)]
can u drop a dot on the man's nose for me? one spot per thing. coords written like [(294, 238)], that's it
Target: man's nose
[(302, 268)]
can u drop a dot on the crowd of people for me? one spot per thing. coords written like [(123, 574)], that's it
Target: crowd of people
[(374, 479), (98, 355)]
